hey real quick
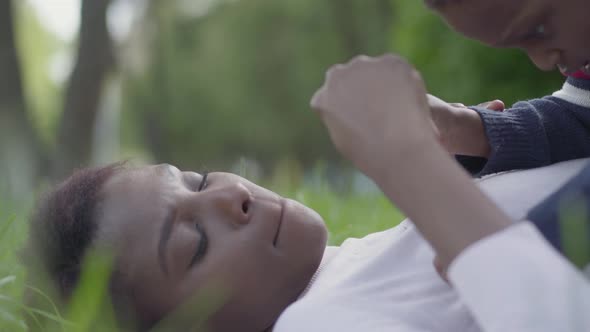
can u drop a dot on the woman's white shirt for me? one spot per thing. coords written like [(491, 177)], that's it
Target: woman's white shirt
[(383, 282), (386, 281)]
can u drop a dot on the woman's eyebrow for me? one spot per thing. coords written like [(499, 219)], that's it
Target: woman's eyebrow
[(164, 237)]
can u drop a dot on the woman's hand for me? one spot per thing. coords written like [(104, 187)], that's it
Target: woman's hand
[(378, 116), (376, 111)]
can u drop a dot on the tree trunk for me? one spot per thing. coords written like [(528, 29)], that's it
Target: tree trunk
[(154, 133), (385, 9), (346, 24), (20, 147), (94, 59)]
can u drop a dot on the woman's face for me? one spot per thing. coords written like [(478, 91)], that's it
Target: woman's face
[(179, 238)]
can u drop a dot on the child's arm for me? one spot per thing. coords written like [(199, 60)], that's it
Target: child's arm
[(460, 129), (538, 132)]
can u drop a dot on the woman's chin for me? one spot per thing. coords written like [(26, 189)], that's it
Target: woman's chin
[(303, 227)]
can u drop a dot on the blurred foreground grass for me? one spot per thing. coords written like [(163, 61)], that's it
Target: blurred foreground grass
[(346, 215)]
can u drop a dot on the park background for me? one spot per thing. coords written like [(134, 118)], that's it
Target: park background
[(208, 85)]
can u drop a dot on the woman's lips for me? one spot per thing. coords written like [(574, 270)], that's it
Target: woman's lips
[(282, 214)]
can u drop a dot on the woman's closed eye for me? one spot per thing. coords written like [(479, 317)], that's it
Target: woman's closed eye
[(203, 240), (203, 183), (201, 247), (194, 182)]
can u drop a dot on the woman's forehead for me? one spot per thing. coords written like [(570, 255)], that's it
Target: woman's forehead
[(134, 181), (134, 199)]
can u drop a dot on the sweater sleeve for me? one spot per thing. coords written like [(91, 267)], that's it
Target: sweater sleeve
[(536, 133)]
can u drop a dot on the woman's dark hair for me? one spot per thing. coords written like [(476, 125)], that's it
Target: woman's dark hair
[(62, 228)]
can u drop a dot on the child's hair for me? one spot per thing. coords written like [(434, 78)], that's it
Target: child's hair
[(438, 4), (62, 229)]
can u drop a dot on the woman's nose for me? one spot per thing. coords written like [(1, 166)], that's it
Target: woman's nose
[(233, 200)]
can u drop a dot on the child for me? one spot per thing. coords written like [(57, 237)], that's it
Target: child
[(536, 132)]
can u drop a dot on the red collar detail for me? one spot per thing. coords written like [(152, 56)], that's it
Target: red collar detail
[(580, 74)]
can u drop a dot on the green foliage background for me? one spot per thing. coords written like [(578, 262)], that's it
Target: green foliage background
[(237, 81)]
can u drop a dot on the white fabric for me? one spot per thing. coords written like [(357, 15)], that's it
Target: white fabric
[(574, 95), (515, 281), (374, 284), (386, 281)]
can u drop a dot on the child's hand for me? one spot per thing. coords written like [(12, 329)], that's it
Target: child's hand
[(460, 129), (376, 111)]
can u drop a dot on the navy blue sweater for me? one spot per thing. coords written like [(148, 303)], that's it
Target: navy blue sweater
[(537, 133)]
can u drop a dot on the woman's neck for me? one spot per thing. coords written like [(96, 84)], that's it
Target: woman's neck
[(329, 253)]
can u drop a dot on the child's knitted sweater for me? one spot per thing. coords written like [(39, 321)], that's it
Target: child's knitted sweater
[(537, 132)]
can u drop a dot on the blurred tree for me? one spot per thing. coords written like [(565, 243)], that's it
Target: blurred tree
[(217, 81), (94, 60), (20, 146), (26, 156), (38, 50), (235, 79)]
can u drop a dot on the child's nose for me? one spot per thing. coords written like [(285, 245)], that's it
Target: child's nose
[(545, 59)]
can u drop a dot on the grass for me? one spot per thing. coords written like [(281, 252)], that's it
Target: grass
[(346, 215), (11, 273)]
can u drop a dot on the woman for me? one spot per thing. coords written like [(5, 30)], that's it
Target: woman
[(172, 231), (181, 238)]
